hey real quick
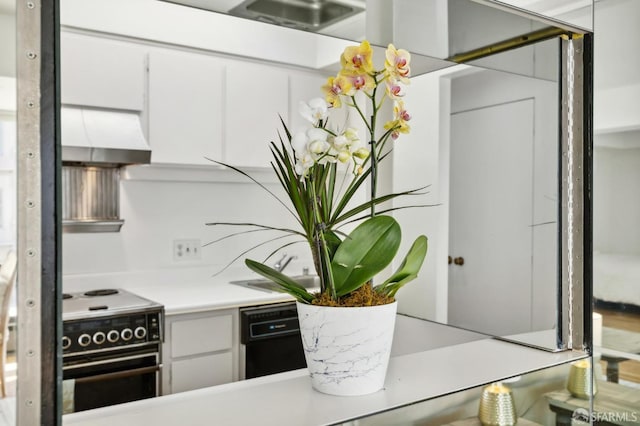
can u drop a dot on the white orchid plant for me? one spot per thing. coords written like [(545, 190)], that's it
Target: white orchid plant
[(308, 164)]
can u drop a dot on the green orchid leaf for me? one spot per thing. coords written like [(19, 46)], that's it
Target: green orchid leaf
[(365, 252), (333, 242), (379, 200), (408, 270), (392, 288), (287, 284)]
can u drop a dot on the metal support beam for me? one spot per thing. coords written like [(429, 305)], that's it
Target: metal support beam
[(574, 317), (38, 240)]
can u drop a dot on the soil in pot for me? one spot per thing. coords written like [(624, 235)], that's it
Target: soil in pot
[(363, 296)]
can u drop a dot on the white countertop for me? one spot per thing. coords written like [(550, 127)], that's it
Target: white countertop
[(288, 399), (182, 290), (428, 360), (200, 296)]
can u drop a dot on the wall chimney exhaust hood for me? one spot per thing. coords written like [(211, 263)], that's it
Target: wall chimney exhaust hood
[(95, 145), (95, 137)]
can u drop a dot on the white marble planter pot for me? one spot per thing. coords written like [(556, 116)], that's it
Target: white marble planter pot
[(347, 349)]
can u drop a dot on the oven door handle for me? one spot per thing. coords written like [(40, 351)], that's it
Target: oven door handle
[(110, 361), (118, 375)]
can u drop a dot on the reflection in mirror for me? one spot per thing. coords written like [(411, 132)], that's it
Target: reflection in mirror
[(536, 398), (517, 276), (8, 195), (485, 137), (503, 204), (574, 12), (506, 104), (495, 170), (616, 263), (458, 30)]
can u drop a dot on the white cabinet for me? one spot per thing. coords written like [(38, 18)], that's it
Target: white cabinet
[(200, 350), (100, 72), (185, 107), (255, 96), (302, 88)]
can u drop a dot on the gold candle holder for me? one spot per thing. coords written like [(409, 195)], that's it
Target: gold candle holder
[(496, 406), (580, 383)]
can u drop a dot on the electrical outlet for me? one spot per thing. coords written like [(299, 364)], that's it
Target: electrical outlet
[(186, 250)]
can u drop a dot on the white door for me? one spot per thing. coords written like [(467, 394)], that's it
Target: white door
[(502, 190)]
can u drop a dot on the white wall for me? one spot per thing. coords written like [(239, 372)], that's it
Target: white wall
[(616, 64), (616, 208), (7, 45), (158, 212), (617, 125), (615, 43), (416, 160)]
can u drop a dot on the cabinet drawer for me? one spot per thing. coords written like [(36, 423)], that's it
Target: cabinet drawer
[(201, 335), (196, 373)]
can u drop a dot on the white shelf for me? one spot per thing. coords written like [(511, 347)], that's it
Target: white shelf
[(618, 139), (195, 173), (288, 398)]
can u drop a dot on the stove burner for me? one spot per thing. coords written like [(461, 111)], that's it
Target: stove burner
[(66, 296), (101, 292)]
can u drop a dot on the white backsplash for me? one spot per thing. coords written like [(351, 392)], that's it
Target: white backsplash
[(158, 212)]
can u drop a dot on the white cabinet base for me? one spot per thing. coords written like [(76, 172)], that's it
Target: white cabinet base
[(201, 372), (200, 350)]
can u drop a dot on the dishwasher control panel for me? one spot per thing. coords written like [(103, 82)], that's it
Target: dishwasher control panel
[(269, 321)]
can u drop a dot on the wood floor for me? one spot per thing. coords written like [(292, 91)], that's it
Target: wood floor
[(629, 370)]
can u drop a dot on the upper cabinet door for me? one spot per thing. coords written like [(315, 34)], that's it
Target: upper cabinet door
[(185, 107), (100, 72), (255, 96), (304, 87)]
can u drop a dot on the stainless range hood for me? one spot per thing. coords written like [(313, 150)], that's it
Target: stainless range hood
[(90, 199), (308, 15), (95, 137), (95, 145)]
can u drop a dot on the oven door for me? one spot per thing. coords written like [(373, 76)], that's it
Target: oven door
[(93, 383)]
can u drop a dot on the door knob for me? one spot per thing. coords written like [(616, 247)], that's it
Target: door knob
[(459, 261), (450, 260)]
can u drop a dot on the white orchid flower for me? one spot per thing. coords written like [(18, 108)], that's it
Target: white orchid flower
[(315, 134), (344, 156), (299, 143), (317, 141), (362, 153), (304, 163), (319, 147), (351, 133), (340, 141), (314, 110), (356, 145)]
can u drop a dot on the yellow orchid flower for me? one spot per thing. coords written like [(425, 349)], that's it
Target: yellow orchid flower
[(336, 86), (357, 60), (395, 89), (399, 123), (397, 63), (363, 82)]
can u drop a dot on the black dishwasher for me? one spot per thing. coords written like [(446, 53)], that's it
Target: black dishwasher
[(270, 340)]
